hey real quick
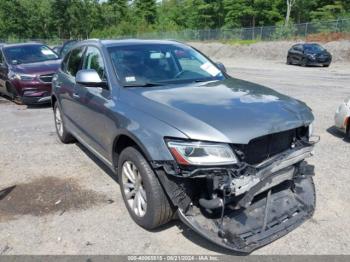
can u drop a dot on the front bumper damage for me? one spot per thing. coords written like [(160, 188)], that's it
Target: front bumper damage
[(244, 207)]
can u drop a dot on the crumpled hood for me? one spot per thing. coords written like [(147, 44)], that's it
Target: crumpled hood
[(38, 68), (230, 111)]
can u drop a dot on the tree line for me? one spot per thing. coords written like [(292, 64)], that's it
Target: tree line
[(65, 19)]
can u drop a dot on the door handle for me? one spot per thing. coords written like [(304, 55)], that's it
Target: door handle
[(75, 95)]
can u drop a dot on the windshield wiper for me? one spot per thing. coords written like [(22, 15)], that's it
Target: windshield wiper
[(204, 80), (145, 84)]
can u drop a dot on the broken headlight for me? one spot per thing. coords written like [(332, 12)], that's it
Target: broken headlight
[(201, 153)]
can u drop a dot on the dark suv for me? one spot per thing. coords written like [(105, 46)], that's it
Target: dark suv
[(26, 72), (227, 156), (308, 54)]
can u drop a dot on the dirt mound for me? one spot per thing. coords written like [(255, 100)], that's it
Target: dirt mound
[(267, 50)]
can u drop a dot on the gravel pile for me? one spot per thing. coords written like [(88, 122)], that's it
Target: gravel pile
[(267, 50)]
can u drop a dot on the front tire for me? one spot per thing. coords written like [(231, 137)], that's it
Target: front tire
[(13, 94), (303, 62), (61, 130), (143, 195)]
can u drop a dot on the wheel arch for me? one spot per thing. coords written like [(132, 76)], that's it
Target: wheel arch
[(124, 140), (10, 86), (347, 124), (53, 100)]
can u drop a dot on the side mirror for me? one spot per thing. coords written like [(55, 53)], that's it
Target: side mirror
[(221, 67), (90, 78)]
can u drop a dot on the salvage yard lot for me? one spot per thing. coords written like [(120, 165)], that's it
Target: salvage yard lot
[(67, 202)]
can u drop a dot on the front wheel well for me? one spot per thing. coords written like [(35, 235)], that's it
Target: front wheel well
[(53, 101), (11, 89), (122, 142), (347, 125)]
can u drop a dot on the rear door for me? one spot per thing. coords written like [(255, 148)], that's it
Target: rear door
[(93, 104)]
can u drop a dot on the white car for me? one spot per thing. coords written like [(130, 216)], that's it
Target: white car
[(342, 117)]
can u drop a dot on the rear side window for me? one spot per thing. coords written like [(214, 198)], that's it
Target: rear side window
[(74, 61), (93, 60)]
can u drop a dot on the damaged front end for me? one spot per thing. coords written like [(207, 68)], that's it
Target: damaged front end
[(246, 205)]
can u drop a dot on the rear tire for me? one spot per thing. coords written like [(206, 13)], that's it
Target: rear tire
[(61, 130), (326, 65), (143, 195)]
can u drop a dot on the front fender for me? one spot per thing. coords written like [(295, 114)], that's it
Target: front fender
[(147, 131)]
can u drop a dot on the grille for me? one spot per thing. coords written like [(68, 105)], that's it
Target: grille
[(46, 78), (262, 148)]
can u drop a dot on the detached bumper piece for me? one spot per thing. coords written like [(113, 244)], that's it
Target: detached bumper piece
[(272, 215), (245, 211)]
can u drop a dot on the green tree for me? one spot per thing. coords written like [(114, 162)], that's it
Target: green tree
[(333, 10), (251, 13), (146, 10)]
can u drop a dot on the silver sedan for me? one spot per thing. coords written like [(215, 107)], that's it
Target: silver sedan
[(342, 117)]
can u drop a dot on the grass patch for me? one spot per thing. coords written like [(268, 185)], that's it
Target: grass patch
[(240, 42)]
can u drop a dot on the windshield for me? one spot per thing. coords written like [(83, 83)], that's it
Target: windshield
[(161, 63), (29, 54), (313, 48)]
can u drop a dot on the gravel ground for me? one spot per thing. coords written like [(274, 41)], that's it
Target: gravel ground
[(67, 202)]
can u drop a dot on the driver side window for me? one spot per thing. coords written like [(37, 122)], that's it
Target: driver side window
[(74, 61), (93, 60)]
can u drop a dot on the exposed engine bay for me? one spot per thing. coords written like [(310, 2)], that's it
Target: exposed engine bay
[(247, 205)]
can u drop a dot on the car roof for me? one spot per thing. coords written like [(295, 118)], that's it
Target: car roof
[(306, 44), (108, 43), (309, 44)]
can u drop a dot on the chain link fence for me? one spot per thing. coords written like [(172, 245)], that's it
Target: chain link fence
[(262, 33)]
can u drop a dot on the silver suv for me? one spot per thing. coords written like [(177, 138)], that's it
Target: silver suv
[(188, 141)]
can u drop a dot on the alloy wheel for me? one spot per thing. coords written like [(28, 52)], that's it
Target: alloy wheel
[(58, 121), (134, 191)]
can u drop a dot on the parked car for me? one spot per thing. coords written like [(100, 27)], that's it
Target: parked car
[(342, 117), (308, 54), (184, 137), (26, 72)]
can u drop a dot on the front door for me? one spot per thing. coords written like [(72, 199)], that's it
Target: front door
[(92, 103)]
